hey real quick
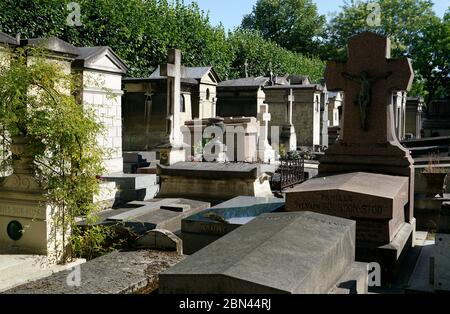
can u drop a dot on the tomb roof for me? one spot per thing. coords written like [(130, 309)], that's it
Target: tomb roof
[(246, 82), (89, 55), (6, 39), (190, 74), (317, 87), (53, 44)]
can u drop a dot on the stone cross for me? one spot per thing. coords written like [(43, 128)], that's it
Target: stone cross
[(368, 141), (173, 70), (264, 118), (291, 100), (246, 68), (368, 79)]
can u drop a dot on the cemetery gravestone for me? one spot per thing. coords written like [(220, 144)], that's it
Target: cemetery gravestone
[(285, 253), (368, 141), (29, 225), (368, 176)]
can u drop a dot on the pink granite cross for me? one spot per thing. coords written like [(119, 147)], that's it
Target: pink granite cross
[(368, 79)]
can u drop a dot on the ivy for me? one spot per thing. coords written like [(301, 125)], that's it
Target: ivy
[(38, 106)]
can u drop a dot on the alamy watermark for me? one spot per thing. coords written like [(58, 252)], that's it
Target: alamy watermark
[(74, 17), (374, 18), (74, 277), (374, 275)]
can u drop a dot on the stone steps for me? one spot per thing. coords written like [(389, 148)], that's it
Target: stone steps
[(133, 187)]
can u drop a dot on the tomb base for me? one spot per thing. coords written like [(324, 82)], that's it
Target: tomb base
[(132, 187), (172, 155), (28, 225), (284, 253), (378, 203), (389, 256), (267, 155)]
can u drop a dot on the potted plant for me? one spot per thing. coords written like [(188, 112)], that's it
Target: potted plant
[(435, 177)]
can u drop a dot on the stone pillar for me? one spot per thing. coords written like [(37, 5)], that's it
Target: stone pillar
[(293, 134), (28, 225)]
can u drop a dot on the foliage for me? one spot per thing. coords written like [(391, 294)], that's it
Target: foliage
[(415, 31), (293, 24), (288, 155), (434, 165), (431, 52), (401, 21), (141, 32), (263, 56), (37, 105)]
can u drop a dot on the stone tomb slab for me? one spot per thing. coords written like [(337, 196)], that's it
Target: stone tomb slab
[(376, 201), (154, 214), (213, 182), (201, 229), (284, 253)]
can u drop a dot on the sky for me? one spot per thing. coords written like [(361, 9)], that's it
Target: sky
[(231, 12)]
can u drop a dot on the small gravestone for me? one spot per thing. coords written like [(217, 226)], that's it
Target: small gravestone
[(367, 176), (160, 239), (285, 253)]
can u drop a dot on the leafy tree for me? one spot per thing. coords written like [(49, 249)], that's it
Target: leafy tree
[(400, 20), (141, 31), (414, 29), (431, 52), (264, 56), (58, 136), (293, 24)]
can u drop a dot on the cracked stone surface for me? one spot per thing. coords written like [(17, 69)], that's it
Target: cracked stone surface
[(115, 273)]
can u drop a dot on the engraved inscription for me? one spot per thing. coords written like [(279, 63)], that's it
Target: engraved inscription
[(342, 205), (13, 211)]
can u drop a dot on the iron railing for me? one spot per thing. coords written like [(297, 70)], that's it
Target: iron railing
[(288, 174)]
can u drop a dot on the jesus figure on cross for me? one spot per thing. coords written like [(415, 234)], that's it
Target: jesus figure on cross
[(365, 96)]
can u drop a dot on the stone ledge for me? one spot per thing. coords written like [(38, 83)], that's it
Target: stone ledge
[(115, 273)]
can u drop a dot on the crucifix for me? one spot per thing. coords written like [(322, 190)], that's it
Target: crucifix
[(291, 100), (368, 79), (368, 142), (365, 95), (173, 70)]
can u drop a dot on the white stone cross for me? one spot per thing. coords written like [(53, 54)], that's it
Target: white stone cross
[(173, 70)]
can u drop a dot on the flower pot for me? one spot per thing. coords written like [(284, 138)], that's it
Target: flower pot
[(435, 184)]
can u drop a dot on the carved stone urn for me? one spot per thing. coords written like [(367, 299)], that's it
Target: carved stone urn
[(23, 176)]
